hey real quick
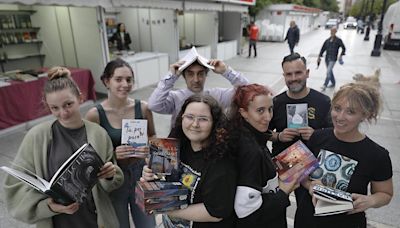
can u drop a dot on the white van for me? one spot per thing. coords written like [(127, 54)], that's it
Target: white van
[(391, 27)]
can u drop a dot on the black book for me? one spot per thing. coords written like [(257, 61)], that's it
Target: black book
[(72, 182)]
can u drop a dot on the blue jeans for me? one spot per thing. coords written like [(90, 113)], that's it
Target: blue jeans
[(329, 72), (125, 196)]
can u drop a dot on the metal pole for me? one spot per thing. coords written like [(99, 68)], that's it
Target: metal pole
[(378, 38), (367, 31)]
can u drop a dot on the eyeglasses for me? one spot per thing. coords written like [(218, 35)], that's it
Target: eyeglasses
[(200, 119)]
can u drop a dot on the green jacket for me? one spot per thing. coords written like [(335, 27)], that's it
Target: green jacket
[(30, 206)]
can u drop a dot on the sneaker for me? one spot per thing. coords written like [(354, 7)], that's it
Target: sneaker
[(330, 86), (323, 88)]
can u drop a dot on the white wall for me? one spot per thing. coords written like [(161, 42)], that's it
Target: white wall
[(88, 43), (164, 33)]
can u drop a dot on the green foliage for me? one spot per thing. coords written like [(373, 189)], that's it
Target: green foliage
[(329, 5), (312, 3), (363, 7)]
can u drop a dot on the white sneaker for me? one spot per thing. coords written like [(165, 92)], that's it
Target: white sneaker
[(323, 88)]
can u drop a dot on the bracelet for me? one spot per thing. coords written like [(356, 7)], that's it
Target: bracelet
[(277, 137)]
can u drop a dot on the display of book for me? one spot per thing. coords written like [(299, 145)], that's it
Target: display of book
[(134, 133), (296, 158), (73, 180), (334, 170), (164, 155), (297, 115), (191, 57), (161, 196), (331, 201)]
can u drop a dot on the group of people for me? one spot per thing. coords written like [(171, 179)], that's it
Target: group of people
[(223, 135)]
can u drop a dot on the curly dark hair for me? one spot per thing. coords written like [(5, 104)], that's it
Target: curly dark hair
[(218, 144)]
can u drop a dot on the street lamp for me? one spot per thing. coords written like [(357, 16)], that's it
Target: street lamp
[(378, 38)]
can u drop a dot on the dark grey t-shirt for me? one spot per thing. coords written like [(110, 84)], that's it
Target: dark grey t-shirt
[(65, 142)]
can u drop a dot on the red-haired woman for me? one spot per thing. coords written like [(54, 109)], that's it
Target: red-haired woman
[(261, 199)]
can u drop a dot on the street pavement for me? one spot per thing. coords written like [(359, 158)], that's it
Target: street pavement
[(266, 69)]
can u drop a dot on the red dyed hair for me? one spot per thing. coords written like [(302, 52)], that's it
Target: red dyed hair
[(246, 93)]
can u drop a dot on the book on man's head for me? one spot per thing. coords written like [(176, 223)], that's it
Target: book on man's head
[(296, 158), (191, 57), (331, 201), (72, 182)]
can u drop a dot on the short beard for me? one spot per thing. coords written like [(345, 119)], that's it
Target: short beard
[(297, 89)]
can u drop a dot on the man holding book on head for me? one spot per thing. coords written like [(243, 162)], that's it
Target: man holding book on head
[(194, 69), (298, 97)]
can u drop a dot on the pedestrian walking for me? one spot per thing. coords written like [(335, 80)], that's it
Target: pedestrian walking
[(331, 47), (253, 38), (292, 36)]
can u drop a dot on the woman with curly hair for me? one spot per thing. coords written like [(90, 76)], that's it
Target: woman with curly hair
[(261, 198), (207, 168)]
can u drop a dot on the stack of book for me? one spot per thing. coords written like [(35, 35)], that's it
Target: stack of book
[(159, 196)]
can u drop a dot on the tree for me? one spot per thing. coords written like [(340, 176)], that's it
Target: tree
[(358, 11)]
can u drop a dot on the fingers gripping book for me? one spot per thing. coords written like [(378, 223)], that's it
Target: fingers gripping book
[(73, 180), (191, 57), (331, 201)]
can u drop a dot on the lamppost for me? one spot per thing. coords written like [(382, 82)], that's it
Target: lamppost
[(378, 38), (369, 21)]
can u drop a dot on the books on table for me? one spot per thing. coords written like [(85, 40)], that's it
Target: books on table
[(159, 196), (164, 155), (191, 57), (331, 201), (296, 158), (72, 182), (134, 133), (297, 115)]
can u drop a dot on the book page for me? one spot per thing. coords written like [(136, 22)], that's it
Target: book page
[(134, 133), (191, 57), (28, 178)]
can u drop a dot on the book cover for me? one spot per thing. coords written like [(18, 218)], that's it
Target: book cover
[(331, 201), (294, 159), (191, 57), (161, 196), (134, 133), (72, 181), (160, 189), (334, 170), (297, 115), (164, 155)]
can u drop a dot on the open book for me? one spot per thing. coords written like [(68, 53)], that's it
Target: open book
[(296, 158), (331, 201), (134, 133), (191, 57), (72, 182)]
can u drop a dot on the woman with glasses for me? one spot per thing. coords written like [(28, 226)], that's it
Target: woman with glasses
[(353, 105), (261, 198), (207, 168)]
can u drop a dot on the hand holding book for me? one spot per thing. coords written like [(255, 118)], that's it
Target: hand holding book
[(68, 209), (127, 151), (107, 171)]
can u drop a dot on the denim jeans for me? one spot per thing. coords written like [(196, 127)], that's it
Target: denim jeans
[(329, 72), (125, 196), (253, 43)]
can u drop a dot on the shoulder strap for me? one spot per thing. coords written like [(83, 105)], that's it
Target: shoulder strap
[(138, 109), (102, 116)]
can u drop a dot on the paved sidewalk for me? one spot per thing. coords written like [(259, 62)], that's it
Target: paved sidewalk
[(266, 69)]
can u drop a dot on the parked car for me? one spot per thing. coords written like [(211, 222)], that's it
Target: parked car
[(350, 22), (331, 23), (391, 27)]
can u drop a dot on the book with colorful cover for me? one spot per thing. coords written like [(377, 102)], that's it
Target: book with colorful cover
[(73, 180), (134, 133), (334, 170), (161, 196), (296, 158), (331, 201), (164, 155), (297, 115)]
